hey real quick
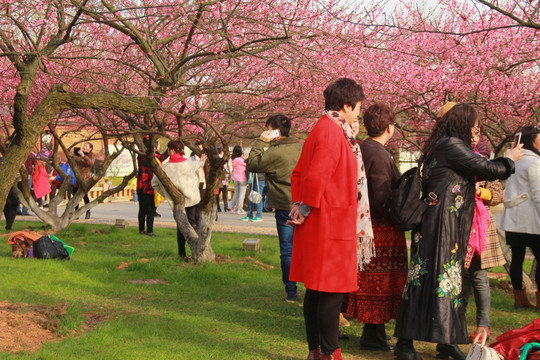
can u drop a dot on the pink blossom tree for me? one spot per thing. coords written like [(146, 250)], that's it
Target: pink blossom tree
[(467, 53), (33, 93), (167, 68)]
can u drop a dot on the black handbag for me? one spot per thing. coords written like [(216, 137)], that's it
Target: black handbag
[(407, 202)]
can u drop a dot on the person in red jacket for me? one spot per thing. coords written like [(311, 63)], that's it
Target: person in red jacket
[(328, 191)]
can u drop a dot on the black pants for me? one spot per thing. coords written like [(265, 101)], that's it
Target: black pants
[(69, 192), (85, 198), (180, 239), (321, 315), (223, 193), (519, 243), (147, 211), (10, 209)]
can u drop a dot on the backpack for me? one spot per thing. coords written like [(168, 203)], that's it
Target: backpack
[(407, 202), (47, 248)]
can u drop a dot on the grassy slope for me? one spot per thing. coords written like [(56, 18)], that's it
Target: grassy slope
[(234, 309)]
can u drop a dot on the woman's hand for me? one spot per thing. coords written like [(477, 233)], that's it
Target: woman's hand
[(515, 153), (296, 217)]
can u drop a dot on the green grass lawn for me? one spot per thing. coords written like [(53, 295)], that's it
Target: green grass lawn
[(233, 309)]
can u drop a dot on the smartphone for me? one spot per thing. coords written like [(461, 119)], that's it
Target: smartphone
[(274, 134), (76, 151), (518, 138)]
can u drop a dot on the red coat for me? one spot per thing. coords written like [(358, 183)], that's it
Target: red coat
[(40, 180), (324, 247)]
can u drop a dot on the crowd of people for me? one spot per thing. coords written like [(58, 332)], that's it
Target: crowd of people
[(348, 251), (45, 182), (331, 196)]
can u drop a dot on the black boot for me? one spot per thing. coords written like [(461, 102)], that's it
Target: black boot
[(374, 338), (404, 350), (87, 214), (450, 350)]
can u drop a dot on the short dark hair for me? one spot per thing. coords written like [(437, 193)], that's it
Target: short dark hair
[(280, 122), (528, 135), (342, 92), (377, 118), (177, 146)]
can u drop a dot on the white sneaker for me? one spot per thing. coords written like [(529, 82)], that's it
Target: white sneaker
[(241, 212)]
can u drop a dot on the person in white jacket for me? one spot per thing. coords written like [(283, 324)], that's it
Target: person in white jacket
[(183, 174), (521, 215)]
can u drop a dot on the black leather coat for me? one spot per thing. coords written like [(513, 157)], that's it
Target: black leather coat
[(432, 306)]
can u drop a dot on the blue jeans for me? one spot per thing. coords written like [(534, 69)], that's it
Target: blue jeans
[(259, 207), (285, 234)]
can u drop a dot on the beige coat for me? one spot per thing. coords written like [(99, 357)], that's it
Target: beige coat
[(521, 212), (183, 176)]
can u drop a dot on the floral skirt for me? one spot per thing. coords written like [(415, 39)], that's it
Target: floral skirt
[(380, 284)]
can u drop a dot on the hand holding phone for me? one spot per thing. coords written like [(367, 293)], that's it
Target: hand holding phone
[(269, 135)]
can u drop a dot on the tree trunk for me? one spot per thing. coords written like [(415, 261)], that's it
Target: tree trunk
[(50, 216), (59, 222), (199, 242), (9, 166), (204, 249), (28, 130)]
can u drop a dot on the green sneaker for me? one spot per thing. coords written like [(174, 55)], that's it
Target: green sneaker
[(256, 219), (245, 218)]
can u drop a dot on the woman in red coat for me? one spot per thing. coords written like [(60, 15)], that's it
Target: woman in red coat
[(325, 191)]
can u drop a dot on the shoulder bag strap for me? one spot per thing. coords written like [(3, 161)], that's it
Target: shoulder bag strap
[(432, 196)]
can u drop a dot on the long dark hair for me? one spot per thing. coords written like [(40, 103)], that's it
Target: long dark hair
[(457, 122), (236, 152), (528, 135)]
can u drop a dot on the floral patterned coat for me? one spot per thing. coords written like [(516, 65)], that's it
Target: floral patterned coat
[(432, 308)]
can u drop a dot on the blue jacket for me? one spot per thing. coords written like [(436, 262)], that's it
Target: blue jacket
[(67, 170)]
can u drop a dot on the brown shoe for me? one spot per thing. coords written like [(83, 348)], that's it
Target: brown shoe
[(521, 301), (315, 354)]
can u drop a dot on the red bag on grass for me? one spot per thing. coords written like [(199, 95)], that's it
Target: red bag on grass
[(508, 344)]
